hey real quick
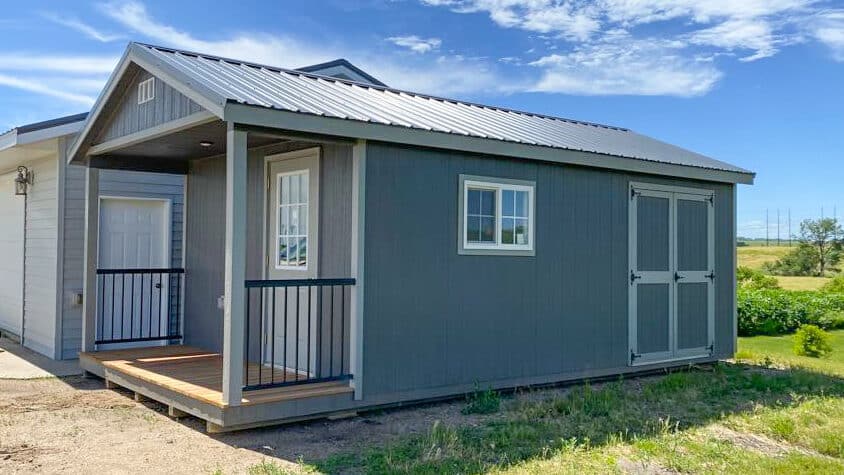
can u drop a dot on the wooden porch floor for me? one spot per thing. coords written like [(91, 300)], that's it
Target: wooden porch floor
[(198, 374)]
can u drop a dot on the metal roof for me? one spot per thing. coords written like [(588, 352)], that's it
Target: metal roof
[(296, 91), (46, 124)]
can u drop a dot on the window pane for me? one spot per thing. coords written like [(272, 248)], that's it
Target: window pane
[(292, 250), (473, 229), (285, 190), (474, 202), (303, 251), (487, 203), (294, 188), (488, 229), (294, 220), (303, 219), (507, 225), (521, 232), (303, 188), (507, 202), (521, 204), (282, 251), (283, 220)]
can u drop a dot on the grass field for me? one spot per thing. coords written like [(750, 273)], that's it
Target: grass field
[(756, 256), (772, 412)]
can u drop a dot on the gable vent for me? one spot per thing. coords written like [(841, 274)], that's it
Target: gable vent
[(146, 90)]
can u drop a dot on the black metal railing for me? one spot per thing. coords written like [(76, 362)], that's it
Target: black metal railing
[(137, 305), (296, 332)]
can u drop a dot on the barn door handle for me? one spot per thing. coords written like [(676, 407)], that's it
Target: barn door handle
[(158, 285), (634, 276), (677, 276)]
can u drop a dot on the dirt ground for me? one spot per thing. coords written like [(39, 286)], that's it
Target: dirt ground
[(75, 425)]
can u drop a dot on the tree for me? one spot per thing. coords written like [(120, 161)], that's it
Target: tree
[(824, 237)]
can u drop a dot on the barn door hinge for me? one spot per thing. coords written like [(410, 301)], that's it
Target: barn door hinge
[(711, 199), (634, 356), (711, 348), (268, 182), (711, 275), (634, 276), (634, 193)]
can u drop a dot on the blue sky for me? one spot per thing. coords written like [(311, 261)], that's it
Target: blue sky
[(757, 83)]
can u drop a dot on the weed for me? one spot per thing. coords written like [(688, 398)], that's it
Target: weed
[(482, 402)]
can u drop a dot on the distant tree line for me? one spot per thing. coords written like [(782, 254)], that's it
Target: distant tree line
[(818, 250)]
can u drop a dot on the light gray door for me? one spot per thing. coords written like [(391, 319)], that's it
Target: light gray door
[(694, 289), (671, 273), (292, 234), (652, 276)]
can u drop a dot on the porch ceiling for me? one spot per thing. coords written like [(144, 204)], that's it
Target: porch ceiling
[(171, 152)]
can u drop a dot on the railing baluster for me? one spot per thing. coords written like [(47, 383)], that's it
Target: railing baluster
[(342, 329), (272, 343), (101, 310), (132, 311), (286, 334), (246, 337), (308, 316), (318, 357), (112, 307), (298, 317), (331, 337), (262, 352)]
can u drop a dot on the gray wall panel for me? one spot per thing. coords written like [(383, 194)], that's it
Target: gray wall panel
[(692, 307), (436, 319), (653, 228), (653, 316), (692, 233), (130, 117)]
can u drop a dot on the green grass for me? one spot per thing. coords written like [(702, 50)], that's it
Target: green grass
[(756, 256), (773, 412), (801, 282), (779, 349)]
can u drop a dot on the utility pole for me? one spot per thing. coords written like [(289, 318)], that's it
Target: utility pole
[(767, 228), (778, 227), (790, 237)]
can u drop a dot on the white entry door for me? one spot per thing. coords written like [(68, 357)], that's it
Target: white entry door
[(11, 255), (134, 234), (292, 205), (672, 294)]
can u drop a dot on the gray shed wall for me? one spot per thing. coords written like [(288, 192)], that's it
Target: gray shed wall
[(204, 253), (130, 117), (435, 320), (112, 183)]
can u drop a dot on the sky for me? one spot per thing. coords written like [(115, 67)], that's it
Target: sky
[(757, 83)]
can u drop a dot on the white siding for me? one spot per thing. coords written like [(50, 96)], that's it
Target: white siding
[(11, 250), (112, 183), (40, 262)]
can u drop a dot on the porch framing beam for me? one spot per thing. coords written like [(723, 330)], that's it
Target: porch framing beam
[(91, 248), (235, 265)]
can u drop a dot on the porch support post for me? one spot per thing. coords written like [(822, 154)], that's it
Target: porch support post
[(89, 282), (235, 273), (358, 234)]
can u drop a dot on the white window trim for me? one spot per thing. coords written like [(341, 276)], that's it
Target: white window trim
[(307, 173), (146, 90), (498, 185)]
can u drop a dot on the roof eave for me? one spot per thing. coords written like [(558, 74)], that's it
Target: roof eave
[(308, 123), (137, 54)]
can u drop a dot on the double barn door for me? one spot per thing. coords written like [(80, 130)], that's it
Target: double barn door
[(672, 296)]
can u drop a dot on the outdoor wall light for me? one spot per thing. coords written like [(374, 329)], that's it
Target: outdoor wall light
[(206, 143), (22, 181)]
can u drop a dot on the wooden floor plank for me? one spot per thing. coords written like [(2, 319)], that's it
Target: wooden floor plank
[(198, 374)]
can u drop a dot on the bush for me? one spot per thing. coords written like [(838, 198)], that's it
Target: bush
[(810, 340), (775, 312), (753, 279), (802, 260), (482, 402), (834, 286)]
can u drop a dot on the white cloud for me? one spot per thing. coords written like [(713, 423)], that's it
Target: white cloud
[(443, 75), (747, 34), (65, 64), (646, 67), (83, 28), (415, 43), (37, 85), (829, 30)]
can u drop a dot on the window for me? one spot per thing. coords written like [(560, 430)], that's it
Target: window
[(146, 91), (292, 220), (496, 216)]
